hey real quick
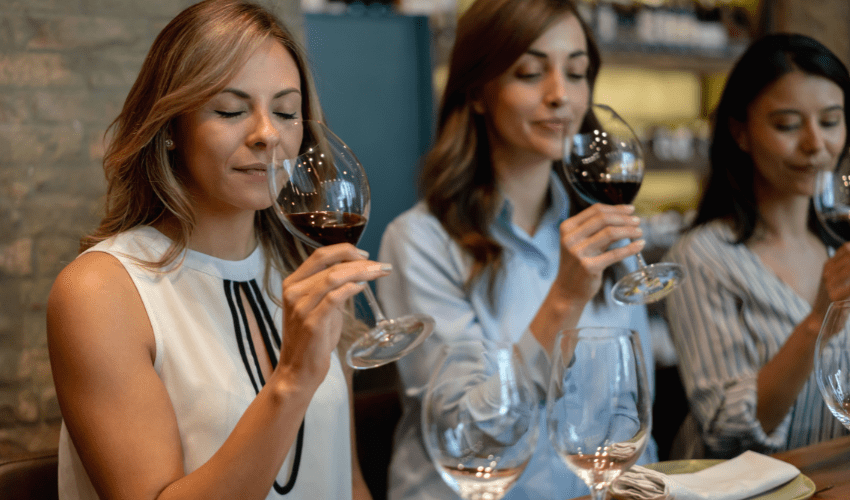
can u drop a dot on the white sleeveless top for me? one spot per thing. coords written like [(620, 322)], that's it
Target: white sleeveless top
[(205, 358)]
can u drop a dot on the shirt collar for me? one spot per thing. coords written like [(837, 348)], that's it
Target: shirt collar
[(559, 208)]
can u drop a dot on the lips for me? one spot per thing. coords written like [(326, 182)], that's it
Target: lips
[(254, 169)]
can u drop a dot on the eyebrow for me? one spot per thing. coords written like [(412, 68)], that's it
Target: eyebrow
[(830, 109), (543, 55), (244, 95)]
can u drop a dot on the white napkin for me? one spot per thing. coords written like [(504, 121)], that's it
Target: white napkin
[(747, 475)]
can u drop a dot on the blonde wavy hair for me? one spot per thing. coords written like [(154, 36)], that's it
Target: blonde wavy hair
[(192, 59)]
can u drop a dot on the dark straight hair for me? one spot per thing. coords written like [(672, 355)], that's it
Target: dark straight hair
[(730, 193)]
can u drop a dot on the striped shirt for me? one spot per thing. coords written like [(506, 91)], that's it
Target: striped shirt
[(730, 317)]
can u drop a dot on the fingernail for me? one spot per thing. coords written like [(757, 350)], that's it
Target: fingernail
[(360, 283), (636, 219), (639, 230), (381, 267), (631, 208), (364, 253), (641, 243)]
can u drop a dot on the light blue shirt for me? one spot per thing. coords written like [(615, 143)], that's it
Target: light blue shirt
[(429, 272)]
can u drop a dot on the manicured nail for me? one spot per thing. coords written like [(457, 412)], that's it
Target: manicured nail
[(641, 243), (639, 230), (636, 219), (364, 253), (381, 267)]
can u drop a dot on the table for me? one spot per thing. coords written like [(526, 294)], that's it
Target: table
[(826, 464)]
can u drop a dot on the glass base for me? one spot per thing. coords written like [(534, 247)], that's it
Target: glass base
[(389, 340), (648, 284)]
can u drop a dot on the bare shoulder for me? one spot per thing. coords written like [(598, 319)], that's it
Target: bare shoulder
[(93, 300)]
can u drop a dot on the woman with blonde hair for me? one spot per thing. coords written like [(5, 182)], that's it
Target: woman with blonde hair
[(194, 342), (498, 248)]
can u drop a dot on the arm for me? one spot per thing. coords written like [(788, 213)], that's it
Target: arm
[(783, 377), (118, 412), (586, 251)]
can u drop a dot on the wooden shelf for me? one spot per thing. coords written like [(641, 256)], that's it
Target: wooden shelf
[(671, 58)]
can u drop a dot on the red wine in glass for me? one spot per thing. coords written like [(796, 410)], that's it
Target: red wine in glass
[(604, 164), (329, 228), (832, 201), (321, 195), (611, 192)]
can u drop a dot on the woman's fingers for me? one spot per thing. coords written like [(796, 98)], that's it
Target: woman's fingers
[(324, 257), (305, 294)]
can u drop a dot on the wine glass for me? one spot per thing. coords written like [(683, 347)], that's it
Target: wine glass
[(832, 361), (605, 165), (320, 193), (832, 201), (480, 418), (598, 406)]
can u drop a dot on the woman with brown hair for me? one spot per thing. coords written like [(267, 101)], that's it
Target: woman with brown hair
[(498, 249), (194, 342)]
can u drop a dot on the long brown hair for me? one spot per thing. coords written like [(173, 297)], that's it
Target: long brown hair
[(191, 60), (458, 181)]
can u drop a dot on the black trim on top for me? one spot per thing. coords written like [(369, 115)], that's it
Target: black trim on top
[(265, 323), (266, 313), (252, 301)]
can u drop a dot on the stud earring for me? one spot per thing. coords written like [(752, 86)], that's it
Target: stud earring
[(169, 144)]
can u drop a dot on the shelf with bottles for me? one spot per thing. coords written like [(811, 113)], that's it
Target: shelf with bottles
[(699, 36)]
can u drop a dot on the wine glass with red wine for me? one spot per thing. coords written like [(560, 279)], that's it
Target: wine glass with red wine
[(321, 195), (832, 201), (605, 165)]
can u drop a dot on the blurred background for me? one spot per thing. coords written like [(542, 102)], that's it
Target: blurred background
[(66, 66)]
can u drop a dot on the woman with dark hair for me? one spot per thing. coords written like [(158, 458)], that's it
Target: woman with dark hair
[(760, 272), (498, 249), (193, 342)]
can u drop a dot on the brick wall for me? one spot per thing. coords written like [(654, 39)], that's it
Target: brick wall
[(65, 69)]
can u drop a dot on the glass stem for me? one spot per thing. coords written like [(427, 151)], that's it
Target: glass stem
[(641, 261), (599, 493), (373, 303)]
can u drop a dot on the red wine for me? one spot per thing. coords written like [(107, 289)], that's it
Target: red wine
[(615, 192), (328, 228), (838, 223)]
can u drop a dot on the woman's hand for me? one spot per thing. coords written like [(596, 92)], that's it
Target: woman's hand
[(585, 241), (835, 281), (313, 300)]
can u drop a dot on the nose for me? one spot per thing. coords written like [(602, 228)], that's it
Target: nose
[(557, 91), (813, 139), (263, 133)]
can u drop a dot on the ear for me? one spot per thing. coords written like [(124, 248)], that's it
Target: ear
[(739, 133), (477, 106)]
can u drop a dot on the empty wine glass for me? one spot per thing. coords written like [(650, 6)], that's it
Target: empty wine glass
[(480, 418), (598, 406), (832, 201), (605, 165), (832, 361), (321, 194)]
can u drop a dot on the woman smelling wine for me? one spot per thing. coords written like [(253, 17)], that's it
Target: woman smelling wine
[(761, 275), (498, 249), (193, 344)]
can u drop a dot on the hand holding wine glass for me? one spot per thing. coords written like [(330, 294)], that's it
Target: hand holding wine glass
[(598, 405), (605, 165), (321, 194), (480, 418)]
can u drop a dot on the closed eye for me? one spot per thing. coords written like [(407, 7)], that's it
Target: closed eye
[(228, 114)]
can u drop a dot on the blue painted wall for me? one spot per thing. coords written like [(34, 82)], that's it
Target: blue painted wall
[(373, 75)]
